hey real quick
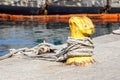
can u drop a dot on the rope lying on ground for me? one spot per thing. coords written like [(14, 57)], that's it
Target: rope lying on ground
[(47, 51), (40, 51)]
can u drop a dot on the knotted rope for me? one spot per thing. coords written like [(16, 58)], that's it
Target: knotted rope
[(47, 51), (76, 47)]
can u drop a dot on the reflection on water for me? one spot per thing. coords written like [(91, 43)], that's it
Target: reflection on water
[(19, 36), (105, 28)]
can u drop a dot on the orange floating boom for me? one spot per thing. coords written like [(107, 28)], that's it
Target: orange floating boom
[(60, 18)]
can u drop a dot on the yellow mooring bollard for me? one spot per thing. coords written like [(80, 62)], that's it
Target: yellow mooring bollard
[(80, 29)]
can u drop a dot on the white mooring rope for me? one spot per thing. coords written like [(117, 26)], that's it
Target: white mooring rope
[(47, 51)]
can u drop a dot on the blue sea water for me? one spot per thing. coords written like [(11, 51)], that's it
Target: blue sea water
[(20, 36)]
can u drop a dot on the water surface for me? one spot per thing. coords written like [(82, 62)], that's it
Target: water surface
[(19, 36)]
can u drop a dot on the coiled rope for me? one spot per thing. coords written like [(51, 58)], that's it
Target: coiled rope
[(50, 52)]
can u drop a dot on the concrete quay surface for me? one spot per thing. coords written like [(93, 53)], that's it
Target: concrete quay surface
[(107, 66)]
